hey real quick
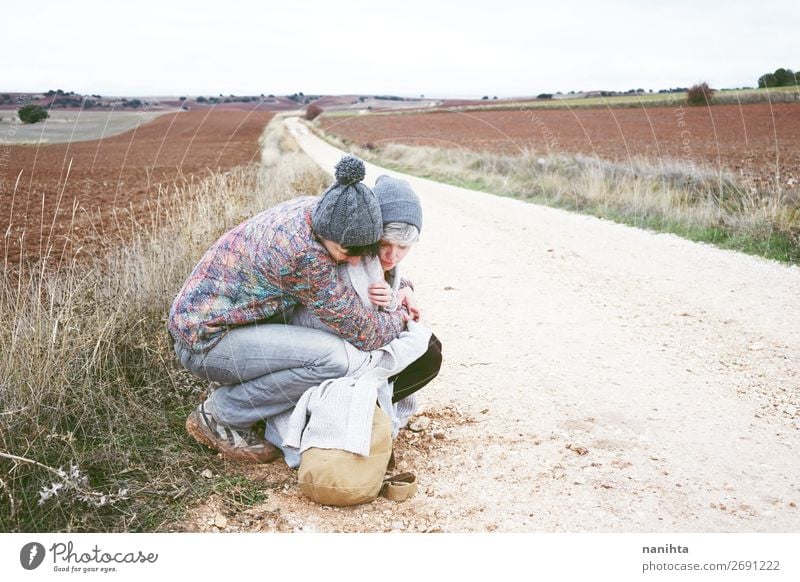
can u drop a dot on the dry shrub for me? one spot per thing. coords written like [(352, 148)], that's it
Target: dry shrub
[(700, 94), (312, 112)]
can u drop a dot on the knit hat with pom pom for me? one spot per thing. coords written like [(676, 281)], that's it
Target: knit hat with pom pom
[(348, 212)]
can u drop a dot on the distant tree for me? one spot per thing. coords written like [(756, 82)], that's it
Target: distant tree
[(32, 113), (767, 80), (181, 99), (780, 78), (201, 99), (484, 97), (700, 94), (495, 97), (544, 96)]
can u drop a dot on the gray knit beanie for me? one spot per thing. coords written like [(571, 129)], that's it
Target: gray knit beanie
[(398, 201), (348, 212)]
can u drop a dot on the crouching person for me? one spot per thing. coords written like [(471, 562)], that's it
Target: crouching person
[(336, 436), (229, 319)]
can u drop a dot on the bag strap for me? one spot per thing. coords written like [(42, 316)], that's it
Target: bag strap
[(399, 487)]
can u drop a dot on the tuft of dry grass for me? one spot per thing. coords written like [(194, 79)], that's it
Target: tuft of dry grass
[(92, 401)]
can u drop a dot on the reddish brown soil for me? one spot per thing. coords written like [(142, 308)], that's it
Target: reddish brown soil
[(119, 172), (757, 142), (278, 104)]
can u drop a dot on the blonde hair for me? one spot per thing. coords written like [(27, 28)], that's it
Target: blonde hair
[(400, 233)]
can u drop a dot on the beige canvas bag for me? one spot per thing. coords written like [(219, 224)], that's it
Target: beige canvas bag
[(337, 477), (340, 478)]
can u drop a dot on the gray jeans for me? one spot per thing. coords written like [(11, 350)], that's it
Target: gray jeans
[(265, 368)]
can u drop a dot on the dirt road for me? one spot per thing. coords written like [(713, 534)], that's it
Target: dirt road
[(597, 378)]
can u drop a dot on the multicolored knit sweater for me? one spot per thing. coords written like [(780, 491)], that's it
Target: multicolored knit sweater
[(264, 266)]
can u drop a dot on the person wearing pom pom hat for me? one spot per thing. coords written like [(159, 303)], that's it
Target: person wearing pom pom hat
[(228, 320)]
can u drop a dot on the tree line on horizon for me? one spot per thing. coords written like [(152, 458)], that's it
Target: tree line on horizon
[(780, 78), (30, 113)]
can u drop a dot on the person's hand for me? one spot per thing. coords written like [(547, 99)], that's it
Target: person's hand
[(380, 294), (407, 299)]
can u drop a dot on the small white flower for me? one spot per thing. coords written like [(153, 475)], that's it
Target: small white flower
[(46, 493)]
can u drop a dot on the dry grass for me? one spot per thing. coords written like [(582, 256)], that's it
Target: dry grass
[(92, 400), (700, 203)]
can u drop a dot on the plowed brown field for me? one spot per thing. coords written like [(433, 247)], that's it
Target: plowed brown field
[(757, 142), (119, 172)]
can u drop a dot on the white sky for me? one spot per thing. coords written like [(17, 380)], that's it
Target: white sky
[(411, 47)]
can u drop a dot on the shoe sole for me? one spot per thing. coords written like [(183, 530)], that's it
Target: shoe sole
[(196, 431)]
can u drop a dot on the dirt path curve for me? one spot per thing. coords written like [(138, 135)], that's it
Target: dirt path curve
[(597, 377)]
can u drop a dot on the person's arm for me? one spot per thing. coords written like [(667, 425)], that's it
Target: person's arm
[(314, 282)]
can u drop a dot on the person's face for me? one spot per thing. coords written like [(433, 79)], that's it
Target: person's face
[(391, 253), (338, 253)]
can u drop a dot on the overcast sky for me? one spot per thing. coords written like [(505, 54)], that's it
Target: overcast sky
[(410, 47)]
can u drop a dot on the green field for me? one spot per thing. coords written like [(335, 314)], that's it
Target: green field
[(71, 126)]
